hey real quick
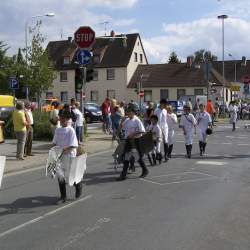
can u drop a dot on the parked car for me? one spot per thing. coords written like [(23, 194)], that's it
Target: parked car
[(92, 112), (7, 105)]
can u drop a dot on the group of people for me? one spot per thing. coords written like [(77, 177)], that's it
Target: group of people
[(23, 127), (161, 122)]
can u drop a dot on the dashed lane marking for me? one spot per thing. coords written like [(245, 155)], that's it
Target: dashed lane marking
[(215, 163)]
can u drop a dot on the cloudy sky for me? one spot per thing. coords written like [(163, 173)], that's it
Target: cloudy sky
[(183, 26)]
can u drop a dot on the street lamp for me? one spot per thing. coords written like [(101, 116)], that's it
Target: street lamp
[(26, 38), (222, 18)]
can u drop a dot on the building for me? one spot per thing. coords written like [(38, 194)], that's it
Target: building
[(115, 60)]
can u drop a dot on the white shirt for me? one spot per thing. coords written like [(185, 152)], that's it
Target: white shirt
[(131, 126), (188, 122), (162, 119), (156, 130), (79, 117), (66, 137), (29, 113), (171, 120), (203, 120)]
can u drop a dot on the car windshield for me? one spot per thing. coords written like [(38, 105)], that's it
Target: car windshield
[(92, 108)]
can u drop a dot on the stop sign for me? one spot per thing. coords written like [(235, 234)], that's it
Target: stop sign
[(84, 37)]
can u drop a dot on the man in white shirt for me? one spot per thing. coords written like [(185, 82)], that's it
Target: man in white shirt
[(187, 123), (29, 127), (161, 113), (134, 129), (204, 121)]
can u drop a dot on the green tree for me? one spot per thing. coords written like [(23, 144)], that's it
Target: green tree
[(173, 58), (203, 55), (40, 70)]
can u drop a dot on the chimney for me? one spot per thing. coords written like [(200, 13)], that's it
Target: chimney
[(112, 33), (69, 38), (243, 61), (190, 60)]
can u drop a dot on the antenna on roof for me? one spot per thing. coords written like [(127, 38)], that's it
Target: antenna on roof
[(61, 33), (105, 23)]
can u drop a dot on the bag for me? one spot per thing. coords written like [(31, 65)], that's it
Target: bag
[(209, 131), (53, 122), (145, 143)]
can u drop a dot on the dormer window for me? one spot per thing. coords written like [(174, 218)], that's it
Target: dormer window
[(66, 60)]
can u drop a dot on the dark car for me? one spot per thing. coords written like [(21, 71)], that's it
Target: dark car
[(92, 113)]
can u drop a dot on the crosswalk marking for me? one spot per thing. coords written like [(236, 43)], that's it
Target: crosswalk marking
[(215, 163)]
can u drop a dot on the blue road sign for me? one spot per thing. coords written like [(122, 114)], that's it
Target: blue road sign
[(83, 57), (14, 84)]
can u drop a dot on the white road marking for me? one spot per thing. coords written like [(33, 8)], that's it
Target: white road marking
[(43, 216), (243, 144), (183, 173), (215, 163), (226, 143), (230, 136)]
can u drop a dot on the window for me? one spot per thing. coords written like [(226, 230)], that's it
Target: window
[(198, 91), (136, 59), (141, 58), (147, 95), (64, 96), (94, 96), (164, 94), (63, 76), (49, 95), (66, 60), (180, 93), (95, 75), (111, 93), (110, 74)]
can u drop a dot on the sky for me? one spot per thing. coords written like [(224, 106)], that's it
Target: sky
[(183, 26)]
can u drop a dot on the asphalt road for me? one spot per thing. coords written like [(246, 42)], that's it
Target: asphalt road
[(190, 204)]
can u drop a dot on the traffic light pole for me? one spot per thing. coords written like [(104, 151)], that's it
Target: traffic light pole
[(83, 70)]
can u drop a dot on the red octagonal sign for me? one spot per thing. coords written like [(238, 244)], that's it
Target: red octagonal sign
[(84, 37)]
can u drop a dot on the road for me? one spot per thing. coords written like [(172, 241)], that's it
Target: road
[(190, 204)]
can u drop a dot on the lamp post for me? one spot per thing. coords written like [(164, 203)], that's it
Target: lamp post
[(222, 18), (26, 40)]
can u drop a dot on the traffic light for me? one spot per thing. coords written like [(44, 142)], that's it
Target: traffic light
[(89, 75), (78, 80)]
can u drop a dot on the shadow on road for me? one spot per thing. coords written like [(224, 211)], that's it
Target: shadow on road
[(24, 204), (100, 177)]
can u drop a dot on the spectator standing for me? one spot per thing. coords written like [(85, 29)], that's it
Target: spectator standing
[(79, 122), (106, 113), (210, 109), (54, 117), (29, 129), (20, 124)]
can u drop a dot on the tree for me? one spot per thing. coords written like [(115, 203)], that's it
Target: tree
[(173, 58), (40, 70), (203, 55)]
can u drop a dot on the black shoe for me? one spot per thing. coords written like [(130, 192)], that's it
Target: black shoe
[(166, 158), (144, 173), (121, 178), (159, 157)]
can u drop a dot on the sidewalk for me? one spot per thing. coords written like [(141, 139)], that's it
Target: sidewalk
[(96, 142)]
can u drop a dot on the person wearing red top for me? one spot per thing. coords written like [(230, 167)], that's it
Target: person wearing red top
[(210, 109), (105, 114)]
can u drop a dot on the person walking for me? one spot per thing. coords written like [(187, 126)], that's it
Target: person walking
[(171, 121), (65, 138), (211, 111), (134, 129), (20, 124), (204, 122), (233, 111), (29, 129), (79, 122), (187, 123), (54, 117), (161, 113)]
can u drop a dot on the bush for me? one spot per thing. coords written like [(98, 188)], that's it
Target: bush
[(42, 129)]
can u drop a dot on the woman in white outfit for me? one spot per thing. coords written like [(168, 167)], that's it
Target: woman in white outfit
[(204, 121), (171, 121), (187, 123), (233, 110)]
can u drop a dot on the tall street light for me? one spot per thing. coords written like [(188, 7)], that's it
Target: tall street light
[(222, 18), (26, 39)]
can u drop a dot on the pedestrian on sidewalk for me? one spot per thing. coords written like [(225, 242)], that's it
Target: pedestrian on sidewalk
[(134, 129), (233, 111), (106, 115), (188, 123), (211, 111), (204, 122), (29, 128), (79, 122), (20, 130), (54, 117), (65, 138), (171, 121)]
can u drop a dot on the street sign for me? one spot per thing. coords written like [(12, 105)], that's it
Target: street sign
[(235, 88), (84, 37), (83, 57), (246, 79), (14, 84), (141, 94)]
